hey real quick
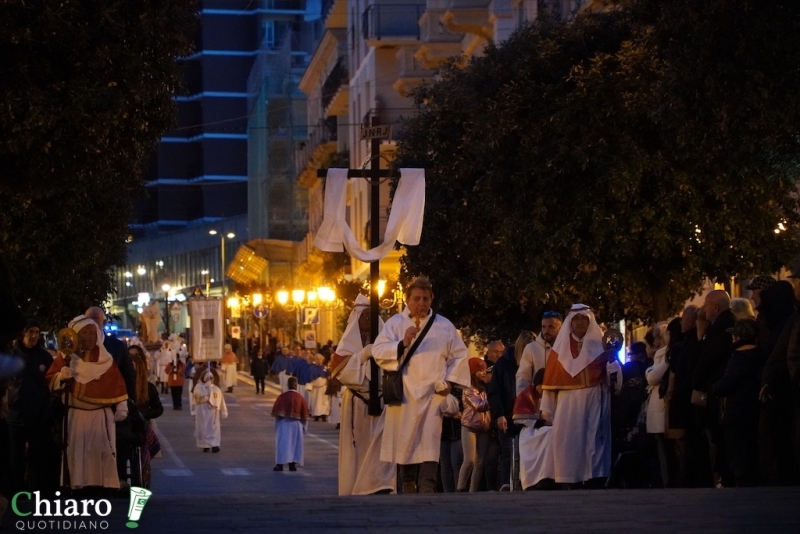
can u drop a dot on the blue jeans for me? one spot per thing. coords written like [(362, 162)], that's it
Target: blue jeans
[(451, 457)]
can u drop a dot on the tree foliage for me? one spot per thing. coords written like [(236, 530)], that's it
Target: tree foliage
[(617, 160), (86, 93)]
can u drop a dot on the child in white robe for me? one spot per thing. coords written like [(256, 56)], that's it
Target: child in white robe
[(210, 408)]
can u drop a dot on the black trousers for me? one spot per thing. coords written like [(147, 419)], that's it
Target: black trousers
[(34, 458), (177, 393), (260, 381)]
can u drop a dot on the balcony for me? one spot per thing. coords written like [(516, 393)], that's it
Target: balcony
[(391, 24), (336, 85)]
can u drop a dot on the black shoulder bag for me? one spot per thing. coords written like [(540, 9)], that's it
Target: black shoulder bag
[(393, 380)]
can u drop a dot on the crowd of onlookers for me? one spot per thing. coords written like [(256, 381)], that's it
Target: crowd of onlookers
[(708, 398)]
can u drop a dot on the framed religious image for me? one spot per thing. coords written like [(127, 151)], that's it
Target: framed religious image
[(207, 335), (207, 328)]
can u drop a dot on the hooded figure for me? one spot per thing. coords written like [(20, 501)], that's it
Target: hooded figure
[(576, 399), (210, 409), (91, 384), (361, 471)]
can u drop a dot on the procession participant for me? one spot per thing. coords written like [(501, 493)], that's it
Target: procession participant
[(197, 373), (577, 401), (535, 457), (229, 367), (361, 470), (175, 379), (92, 385), (117, 349), (291, 417), (319, 403), (283, 366), (537, 352), (210, 409), (413, 428), (163, 357)]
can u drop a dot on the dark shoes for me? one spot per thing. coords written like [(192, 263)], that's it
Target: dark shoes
[(214, 449), (230, 390), (292, 466), (278, 467), (177, 408), (206, 449)]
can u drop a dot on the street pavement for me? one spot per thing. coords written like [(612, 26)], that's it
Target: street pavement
[(236, 491)]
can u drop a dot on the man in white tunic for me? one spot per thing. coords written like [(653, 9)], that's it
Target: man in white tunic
[(361, 470), (291, 417), (210, 409), (413, 429), (535, 458), (577, 401), (537, 352)]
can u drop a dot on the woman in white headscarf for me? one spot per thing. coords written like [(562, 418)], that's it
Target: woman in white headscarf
[(210, 409)]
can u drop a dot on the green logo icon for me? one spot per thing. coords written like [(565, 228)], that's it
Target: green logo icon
[(139, 497)]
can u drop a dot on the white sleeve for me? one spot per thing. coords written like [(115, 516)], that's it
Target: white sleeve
[(384, 350), (526, 369)]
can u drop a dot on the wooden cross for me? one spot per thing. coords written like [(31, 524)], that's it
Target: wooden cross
[(374, 175)]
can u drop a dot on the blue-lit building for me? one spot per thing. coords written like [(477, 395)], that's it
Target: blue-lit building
[(198, 179)]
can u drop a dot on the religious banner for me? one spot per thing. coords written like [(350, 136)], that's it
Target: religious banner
[(175, 311), (208, 329), (310, 339)]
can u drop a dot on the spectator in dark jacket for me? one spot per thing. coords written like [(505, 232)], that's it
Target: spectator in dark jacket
[(777, 317), (739, 386), (502, 393), (32, 449), (258, 368), (713, 322)]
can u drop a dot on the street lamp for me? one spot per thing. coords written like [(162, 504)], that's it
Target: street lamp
[(229, 235)]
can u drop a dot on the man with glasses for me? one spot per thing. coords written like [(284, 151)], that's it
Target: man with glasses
[(536, 353)]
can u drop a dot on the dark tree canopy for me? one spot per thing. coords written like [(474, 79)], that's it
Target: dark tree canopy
[(616, 160), (87, 90)]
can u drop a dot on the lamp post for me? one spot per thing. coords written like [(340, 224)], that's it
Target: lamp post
[(322, 298), (166, 288), (229, 235)]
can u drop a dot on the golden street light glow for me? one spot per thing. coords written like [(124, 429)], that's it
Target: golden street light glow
[(212, 232), (166, 287), (298, 295), (233, 302), (141, 271), (230, 235), (257, 299), (283, 297), (381, 287)]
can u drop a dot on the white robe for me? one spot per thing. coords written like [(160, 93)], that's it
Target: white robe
[(534, 357), (335, 416), (283, 378), (413, 429), (230, 375), (581, 435), (164, 359), (361, 470), (209, 408), (320, 403), (535, 456), (92, 448), (289, 440)]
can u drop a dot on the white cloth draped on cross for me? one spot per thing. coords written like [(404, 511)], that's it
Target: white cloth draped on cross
[(405, 219)]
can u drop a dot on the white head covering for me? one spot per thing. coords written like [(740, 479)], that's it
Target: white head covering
[(85, 372), (351, 338), (592, 342)]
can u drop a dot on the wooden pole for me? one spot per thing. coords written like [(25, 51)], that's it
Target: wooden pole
[(374, 407)]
